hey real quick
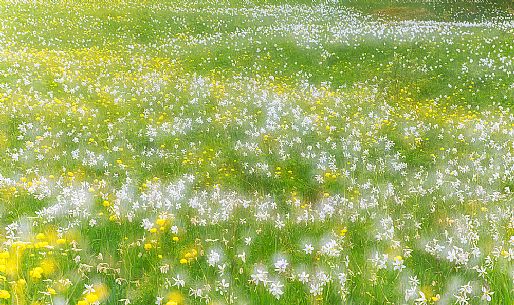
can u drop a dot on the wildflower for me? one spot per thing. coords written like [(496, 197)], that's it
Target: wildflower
[(308, 249), (36, 273), (178, 281), (161, 222), (213, 258), (91, 297), (259, 276), (4, 294), (422, 300), (486, 294), (303, 277), (276, 289), (398, 263), (281, 265)]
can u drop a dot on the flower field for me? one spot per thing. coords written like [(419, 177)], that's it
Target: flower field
[(256, 152)]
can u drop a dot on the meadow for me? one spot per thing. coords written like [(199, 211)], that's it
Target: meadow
[(256, 152)]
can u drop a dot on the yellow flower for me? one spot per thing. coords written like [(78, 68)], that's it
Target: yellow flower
[(175, 298), (161, 222), (148, 247), (91, 297), (183, 261), (101, 291), (41, 244), (175, 238), (48, 266), (4, 294), (36, 273)]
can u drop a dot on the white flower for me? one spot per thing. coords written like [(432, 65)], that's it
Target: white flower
[(486, 294), (248, 241), (308, 248), (259, 276), (281, 265), (213, 258), (242, 256), (303, 277), (330, 248), (158, 300), (164, 268), (222, 286), (174, 229), (179, 282), (398, 263), (422, 300), (413, 281), (276, 289)]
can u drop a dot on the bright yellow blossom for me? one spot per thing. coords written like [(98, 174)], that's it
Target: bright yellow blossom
[(4, 294)]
